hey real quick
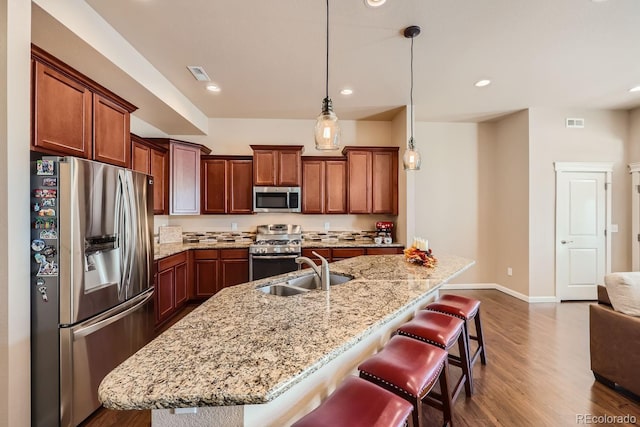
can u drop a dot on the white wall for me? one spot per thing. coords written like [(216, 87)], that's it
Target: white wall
[(15, 38), (446, 191), (603, 139), (509, 239), (633, 152)]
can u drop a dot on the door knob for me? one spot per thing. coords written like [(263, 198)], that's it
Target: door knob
[(564, 242)]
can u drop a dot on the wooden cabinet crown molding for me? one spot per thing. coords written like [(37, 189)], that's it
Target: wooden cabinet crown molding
[(204, 150), (146, 141), (42, 56), (278, 147), (348, 148)]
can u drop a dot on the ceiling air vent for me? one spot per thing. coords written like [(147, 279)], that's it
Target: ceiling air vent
[(199, 73), (574, 123)]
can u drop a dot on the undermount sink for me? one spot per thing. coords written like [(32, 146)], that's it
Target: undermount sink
[(302, 284)]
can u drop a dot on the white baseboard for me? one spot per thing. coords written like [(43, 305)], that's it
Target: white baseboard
[(497, 287)]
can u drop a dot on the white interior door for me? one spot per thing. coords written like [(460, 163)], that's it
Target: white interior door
[(581, 241)]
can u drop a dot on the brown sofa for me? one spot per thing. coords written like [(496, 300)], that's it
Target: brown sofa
[(614, 345)]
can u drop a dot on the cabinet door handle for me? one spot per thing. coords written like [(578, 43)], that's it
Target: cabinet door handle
[(564, 242)]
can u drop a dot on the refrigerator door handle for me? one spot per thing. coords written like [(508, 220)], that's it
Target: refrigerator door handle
[(90, 326), (131, 233), (119, 223)]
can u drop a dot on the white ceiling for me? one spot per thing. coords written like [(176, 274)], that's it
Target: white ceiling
[(268, 57)]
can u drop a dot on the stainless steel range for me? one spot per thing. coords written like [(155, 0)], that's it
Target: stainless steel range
[(275, 250)]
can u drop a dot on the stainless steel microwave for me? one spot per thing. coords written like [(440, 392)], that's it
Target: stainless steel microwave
[(276, 199)]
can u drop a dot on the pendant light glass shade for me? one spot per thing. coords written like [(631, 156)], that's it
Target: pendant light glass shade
[(411, 158), (327, 130)]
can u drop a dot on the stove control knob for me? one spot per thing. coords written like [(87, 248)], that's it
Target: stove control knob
[(263, 250)]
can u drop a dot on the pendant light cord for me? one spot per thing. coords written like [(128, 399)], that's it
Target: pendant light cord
[(411, 96), (327, 80)]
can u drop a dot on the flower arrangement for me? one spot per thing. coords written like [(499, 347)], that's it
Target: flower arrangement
[(420, 257)]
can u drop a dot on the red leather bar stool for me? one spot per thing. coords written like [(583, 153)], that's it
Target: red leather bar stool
[(443, 331), (467, 309), (359, 403), (410, 368)]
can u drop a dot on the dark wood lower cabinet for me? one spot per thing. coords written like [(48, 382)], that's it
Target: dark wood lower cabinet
[(172, 279), (343, 253), (215, 269), (337, 254), (206, 267), (384, 251), (234, 267)]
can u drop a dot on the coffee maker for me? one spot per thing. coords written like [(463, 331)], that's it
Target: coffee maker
[(384, 231)]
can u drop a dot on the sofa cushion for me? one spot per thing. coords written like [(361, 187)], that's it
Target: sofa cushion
[(624, 292)]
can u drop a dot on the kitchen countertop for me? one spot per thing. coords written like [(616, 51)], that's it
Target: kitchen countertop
[(166, 249), (243, 346)]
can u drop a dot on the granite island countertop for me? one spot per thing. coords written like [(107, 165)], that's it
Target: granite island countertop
[(243, 346)]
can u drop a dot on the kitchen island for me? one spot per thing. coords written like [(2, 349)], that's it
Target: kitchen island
[(249, 358)]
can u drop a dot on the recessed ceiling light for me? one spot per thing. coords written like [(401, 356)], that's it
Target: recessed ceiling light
[(635, 89), (213, 87), (374, 3), (483, 83), (346, 91)]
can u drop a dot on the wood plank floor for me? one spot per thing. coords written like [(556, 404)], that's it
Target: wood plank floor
[(537, 373)]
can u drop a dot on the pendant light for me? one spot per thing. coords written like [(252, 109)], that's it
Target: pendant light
[(327, 130), (411, 158)]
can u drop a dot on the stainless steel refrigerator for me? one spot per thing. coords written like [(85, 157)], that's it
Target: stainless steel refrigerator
[(91, 282)]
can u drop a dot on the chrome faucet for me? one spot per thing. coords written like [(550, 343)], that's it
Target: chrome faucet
[(322, 271)]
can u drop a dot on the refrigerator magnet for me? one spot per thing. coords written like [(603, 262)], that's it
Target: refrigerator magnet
[(36, 207), (47, 203), (49, 182), (49, 234), (44, 167), (40, 259), (48, 269), (49, 251), (47, 212), (44, 193), (37, 245)]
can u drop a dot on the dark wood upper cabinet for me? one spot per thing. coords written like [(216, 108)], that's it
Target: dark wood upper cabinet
[(289, 167), (111, 141), (373, 180), (313, 177), (214, 185), (240, 188), (73, 115), (335, 187), (277, 165), (184, 174), (160, 173), (153, 159), (359, 192), (324, 185), (227, 185), (62, 114), (384, 197)]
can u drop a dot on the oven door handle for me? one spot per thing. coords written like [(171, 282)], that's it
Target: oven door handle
[(274, 256)]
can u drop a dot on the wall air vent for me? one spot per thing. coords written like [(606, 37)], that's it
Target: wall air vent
[(199, 73), (574, 123)]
